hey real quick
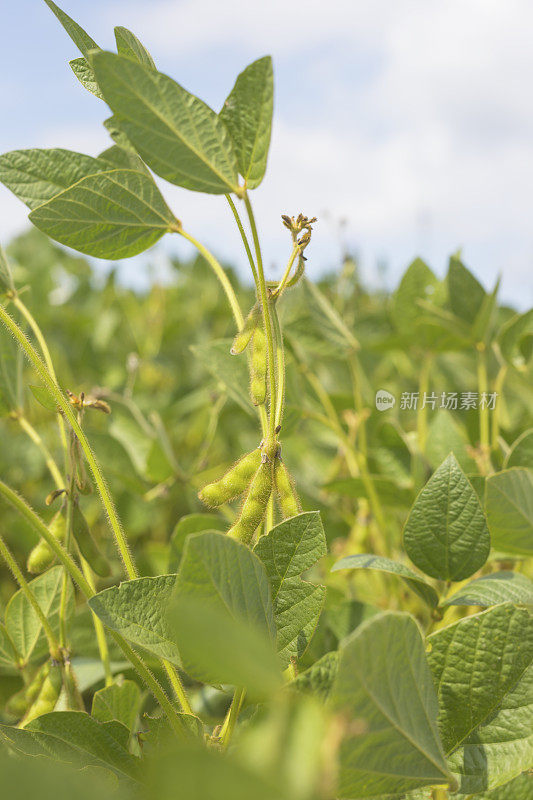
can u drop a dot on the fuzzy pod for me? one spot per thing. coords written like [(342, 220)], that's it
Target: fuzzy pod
[(288, 499), (258, 367), (233, 482), (242, 339), (254, 506), (86, 544), (42, 556), (17, 704), (34, 687), (48, 696)]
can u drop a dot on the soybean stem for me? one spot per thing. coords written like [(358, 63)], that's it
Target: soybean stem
[(231, 717), (53, 469), (221, 275), (243, 237), (266, 316), (101, 640), (285, 278), (280, 364)]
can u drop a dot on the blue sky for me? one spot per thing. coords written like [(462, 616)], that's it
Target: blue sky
[(412, 120)]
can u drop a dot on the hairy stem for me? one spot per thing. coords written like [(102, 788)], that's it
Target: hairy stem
[(221, 275), (68, 412), (243, 237), (280, 365), (266, 317), (231, 717)]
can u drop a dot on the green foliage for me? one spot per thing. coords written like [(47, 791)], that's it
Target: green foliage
[(509, 503)]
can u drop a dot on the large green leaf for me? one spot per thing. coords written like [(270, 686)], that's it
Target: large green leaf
[(446, 535), (445, 434), (385, 686), (521, 452), (418, 283), (482, 666), (218, 646), (319, 678), (247, 114), (113, 215), (128, 45), (515, 339), (137, 610), (509, 509), (191, 523), (36, 176), (6, 277), (475, 663), (174, 132), (72, 737), (81, 38), (225, 575), (8, 655), (466, 294), (119, 701), (415, 582), (23, 624), (287, 550), (490, 590), (85, 74), (519, 788)]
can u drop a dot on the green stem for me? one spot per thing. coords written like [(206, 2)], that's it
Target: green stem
[(484, 419), (101, 640), (266, 316), (221, 275), (76, 574), (53, 469), (231, 717), (243, 237), (280, 364), (68, 539), (281, 285), (53, 644), (68, 412), (421, 418), (498, 388), (30, 319), (177, 685)]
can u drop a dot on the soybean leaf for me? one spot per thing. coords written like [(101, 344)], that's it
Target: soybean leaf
[(521, 453), (43, 397), (465, 292), (446, 434), (112, 215), (128, 45), (415, 582), (517, 789), (174, 132), (36, 176), (120, 702), (219, 647), (418, 283), (446, 535), (515, 339), (191, 523), (286, 551), (385, 686), (319, 678), (123, 158), (85, 74), (509, 509), (81, 39), (247, 114), (490, 590), (137, 609), (8, 655), (23, 624), (482, 668), (223, 574), (203, 773), (72, 737), (475, 663)]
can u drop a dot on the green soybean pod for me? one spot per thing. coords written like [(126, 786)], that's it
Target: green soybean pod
[(254, 506), (48, 696), (258, 367), (288, 499), (233, 482), (242, 339), (34, 687), (17, 705), (86, 544), (42, 556)]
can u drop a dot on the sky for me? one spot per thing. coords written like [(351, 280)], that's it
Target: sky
[(405, 126)]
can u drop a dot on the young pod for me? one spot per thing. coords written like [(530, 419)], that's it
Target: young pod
[(34, 687), (254, 506), (42, 556), (233, 482), (86, 544), (48, 696), (258, 367), (288, 499), (17, 704), (242, 339)]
